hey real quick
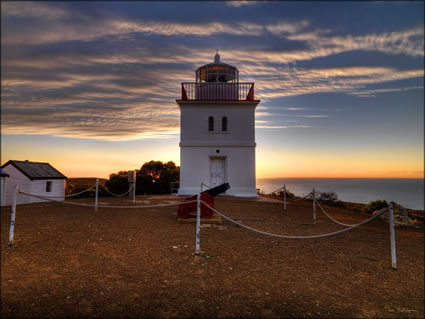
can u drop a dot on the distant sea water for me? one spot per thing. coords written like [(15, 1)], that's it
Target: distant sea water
[(407, 192)]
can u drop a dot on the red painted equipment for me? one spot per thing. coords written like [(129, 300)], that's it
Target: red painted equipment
[(207, 196)]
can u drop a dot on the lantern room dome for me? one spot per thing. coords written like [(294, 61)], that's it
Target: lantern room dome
[(217, 72)]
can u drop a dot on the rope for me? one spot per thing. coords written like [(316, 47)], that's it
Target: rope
[(274, 191), (330, 217), (66, 196), (116, 195), (102, 206), (294, 237), (293, 198)]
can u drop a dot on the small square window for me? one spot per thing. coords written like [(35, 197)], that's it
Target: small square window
[(48, 187)]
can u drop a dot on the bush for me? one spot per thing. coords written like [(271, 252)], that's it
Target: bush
[(375, 205), (327, 197), (117, 183), (330, 199), (154, 177)]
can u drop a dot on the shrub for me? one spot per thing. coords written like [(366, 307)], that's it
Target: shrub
[(117, 183), (375, 205), (327, 197), (330, 198), (155, 177)]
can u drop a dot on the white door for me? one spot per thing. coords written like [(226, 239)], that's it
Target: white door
[(216, 172)]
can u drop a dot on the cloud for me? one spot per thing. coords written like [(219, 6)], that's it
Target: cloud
[(120, 78), (295, 108), (281, 126), (129, 95), (32, 9), (43, 33), (300, 81), (317, 42), (286, 28), (374, 92), (240, 3), (315, 116)]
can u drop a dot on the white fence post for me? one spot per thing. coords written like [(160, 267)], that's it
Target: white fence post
[(314, 206), (97, 189), (134, 187), (392, 237), (198, 222), (284, 197), (12, 216)]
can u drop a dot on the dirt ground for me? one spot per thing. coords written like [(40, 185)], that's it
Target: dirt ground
[(71, 262)]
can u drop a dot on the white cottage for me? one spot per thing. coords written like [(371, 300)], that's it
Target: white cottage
[(35, 178), (217, 131)]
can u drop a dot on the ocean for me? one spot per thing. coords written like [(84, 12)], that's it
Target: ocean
[(407, 192)]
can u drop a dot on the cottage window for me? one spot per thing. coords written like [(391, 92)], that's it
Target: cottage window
[(211, 124), (224, 124), (48, 187)]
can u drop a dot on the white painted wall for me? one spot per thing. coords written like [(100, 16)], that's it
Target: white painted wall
[(2, 190), (37, 187), (236, 146)]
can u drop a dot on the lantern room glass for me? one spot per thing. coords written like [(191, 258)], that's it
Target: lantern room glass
[(217, 72)]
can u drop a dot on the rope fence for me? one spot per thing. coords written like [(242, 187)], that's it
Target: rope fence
[(331, 218), (105, 206), (289, 236), (116, 195), (198, 216), (71, 195)]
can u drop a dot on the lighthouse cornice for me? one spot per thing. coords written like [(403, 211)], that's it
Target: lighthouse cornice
[(252, 103)]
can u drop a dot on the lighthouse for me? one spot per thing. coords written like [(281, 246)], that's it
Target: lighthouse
[(217, 131)]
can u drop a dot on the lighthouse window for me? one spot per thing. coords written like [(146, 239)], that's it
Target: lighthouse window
[(211, 124), (224, 124)]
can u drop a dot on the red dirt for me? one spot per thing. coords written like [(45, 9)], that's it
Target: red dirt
[(74, 262)]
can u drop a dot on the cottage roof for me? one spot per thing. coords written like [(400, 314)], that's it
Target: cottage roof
[(36, 170), (3, 173)]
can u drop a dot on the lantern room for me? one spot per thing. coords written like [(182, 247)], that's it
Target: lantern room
[(217, 72), (217, 81)]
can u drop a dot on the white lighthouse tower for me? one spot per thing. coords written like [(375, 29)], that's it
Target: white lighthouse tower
[(217, 131)]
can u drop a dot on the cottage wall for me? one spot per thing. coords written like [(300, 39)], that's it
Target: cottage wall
[(16, 178), (3, 190), (37, 187), (57, 191)]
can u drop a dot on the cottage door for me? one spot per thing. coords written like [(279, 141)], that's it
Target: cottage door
[(216, 172)]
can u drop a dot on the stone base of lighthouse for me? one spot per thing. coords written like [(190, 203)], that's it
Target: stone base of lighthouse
[(214, 165)]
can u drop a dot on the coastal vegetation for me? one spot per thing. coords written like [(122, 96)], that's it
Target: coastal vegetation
[(374, 205), (154, 177)]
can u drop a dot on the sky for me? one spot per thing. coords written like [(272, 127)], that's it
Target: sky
[(90, 87)]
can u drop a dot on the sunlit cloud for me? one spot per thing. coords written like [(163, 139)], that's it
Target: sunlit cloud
[(295, 108), (315, 116), (32, 9), (240, 3), (281, 126), (374, 92), (285, 28)]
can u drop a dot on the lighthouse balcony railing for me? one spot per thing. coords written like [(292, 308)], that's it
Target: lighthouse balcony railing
[(217, 91)]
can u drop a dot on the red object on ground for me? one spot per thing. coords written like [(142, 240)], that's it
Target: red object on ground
[(185, 210)]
